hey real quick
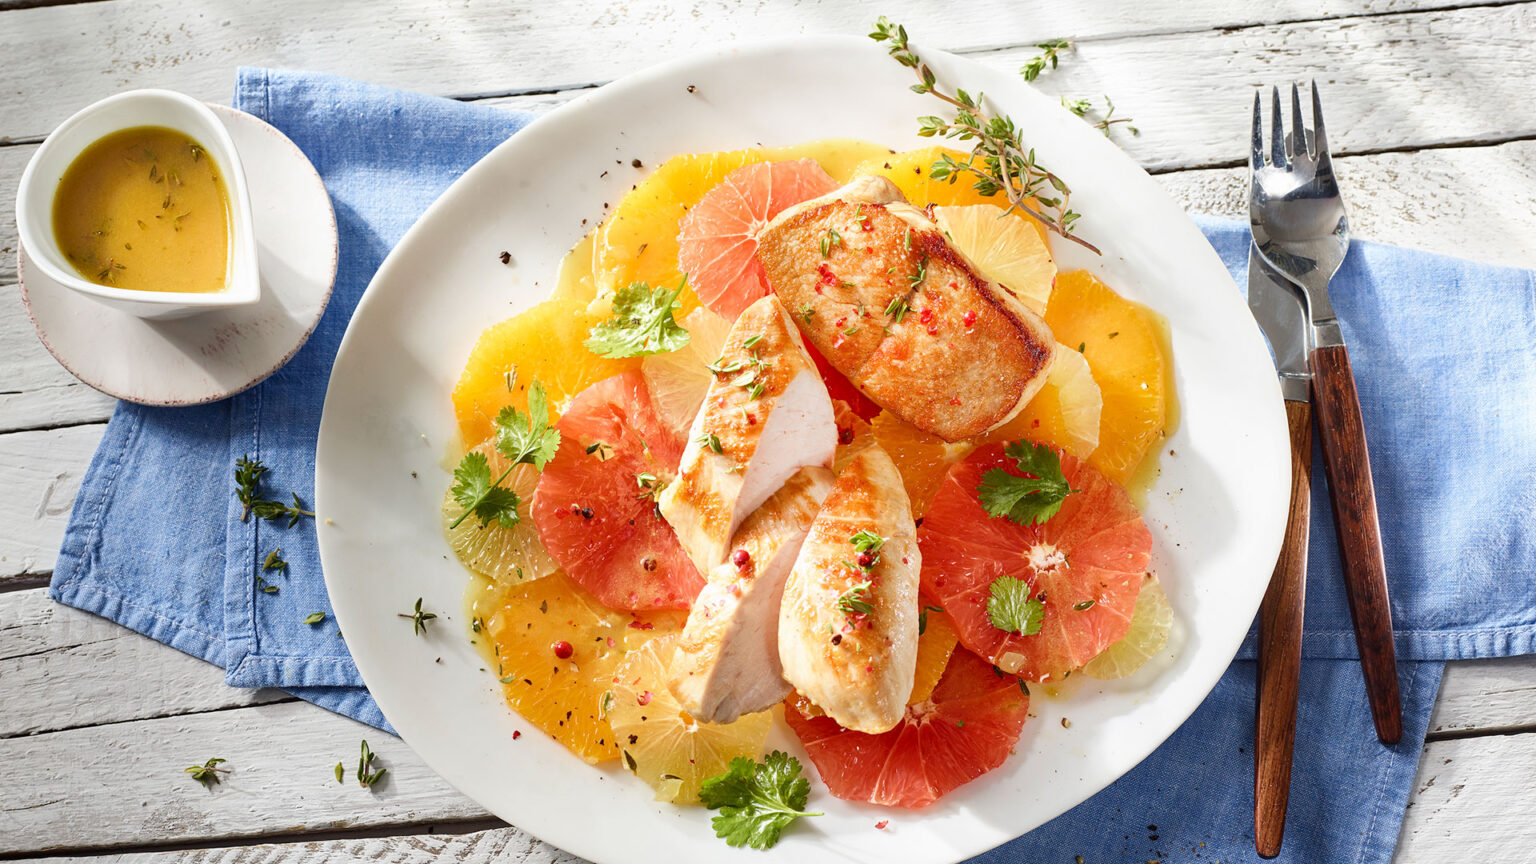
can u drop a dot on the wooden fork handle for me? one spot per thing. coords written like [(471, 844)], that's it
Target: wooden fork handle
[(1348, 467), (1280, 619)]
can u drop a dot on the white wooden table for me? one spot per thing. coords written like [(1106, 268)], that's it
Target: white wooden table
[(1430, 100)]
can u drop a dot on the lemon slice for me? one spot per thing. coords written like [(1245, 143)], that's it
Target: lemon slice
[(508, 555), (679, 379), (1004, 247), (1148, 636), (660, 742), (1080, 401)]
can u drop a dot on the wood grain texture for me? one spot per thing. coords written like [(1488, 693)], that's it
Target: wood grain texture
[(1495, 695), (123, 784), (1347, 464), (66, 669), (1280, 623), (474, 48), (1448, 819), (40, 473)]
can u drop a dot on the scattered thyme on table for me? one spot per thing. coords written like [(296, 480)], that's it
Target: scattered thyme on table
[(207, 773)]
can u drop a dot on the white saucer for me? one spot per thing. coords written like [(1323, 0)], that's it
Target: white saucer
[(218, 353)]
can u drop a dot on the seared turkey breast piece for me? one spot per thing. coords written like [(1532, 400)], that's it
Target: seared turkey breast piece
[(766, 416), (881, 292), (848, 622), (727, 658)]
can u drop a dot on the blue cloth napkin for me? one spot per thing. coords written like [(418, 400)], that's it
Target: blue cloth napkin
[(1444, 352)]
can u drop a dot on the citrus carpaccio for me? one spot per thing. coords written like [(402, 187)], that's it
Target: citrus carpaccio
[(594, 508), (717, 240), (1085, 565), (965, 729)]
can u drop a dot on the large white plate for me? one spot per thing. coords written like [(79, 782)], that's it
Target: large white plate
[(1216, 513)]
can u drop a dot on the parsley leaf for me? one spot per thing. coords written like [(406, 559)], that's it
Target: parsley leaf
[(757, 802), (1012, 609), (527, 437), (642, 323), (1028, 500)]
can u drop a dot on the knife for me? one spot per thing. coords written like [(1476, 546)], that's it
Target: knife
[(1282, 314)]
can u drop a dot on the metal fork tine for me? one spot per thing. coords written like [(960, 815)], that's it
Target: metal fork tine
[(1319, 137), (1256, 152), (1298, 145), (1277, 130)]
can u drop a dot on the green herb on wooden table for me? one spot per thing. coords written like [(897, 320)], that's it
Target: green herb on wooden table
[(207, 773)]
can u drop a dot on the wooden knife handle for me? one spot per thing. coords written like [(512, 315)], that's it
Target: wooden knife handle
[(1280, 618), (1348, 466)]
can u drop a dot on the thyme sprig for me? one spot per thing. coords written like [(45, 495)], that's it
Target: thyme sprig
[(366, 777), (999, 161), (248, 473), (1050, 54), (207, 773), (418, 618)]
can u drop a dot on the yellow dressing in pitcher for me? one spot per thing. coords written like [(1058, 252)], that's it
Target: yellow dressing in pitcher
[(145, 209)]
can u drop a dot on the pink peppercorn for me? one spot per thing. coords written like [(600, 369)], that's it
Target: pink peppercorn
[(970, 317), (741, 558), (563, 649)]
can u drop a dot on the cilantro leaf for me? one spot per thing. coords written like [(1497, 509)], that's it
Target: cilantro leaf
[(527, 438), (1011, 607), (642, 323), (1028, 500), (757, 802), (475, 491)]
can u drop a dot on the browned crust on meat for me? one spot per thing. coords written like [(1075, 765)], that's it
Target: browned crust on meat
[(925, 362)]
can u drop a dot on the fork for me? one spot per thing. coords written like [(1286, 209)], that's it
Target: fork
[(1300, 226)]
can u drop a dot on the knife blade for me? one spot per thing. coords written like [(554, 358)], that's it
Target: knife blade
[(1281, 311)]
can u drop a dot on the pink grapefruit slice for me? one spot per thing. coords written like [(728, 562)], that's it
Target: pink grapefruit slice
[(964, 729), (717, 240), (595, 504), (1085, 565)]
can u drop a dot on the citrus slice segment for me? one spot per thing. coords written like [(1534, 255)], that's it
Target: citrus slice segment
[(661, 743), (638, 240), (1004, 247), (546, 344), (967, 728), (1120, 341), (1085, 564), (563, 695), (921, 457), (717, 240), (679, 379), (1065, 413), (507, 554), (1147, 637), (935, 644), (595, 505)]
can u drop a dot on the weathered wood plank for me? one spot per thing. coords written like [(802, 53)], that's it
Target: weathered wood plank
[(40, 473), (1388, 82), (66, 669), (123, 784), (1448, 819), (479, 48), (1484, 695), (1471, 202), (1468, 799)]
